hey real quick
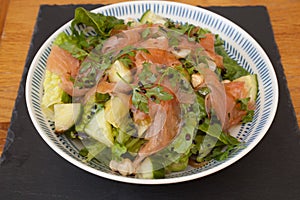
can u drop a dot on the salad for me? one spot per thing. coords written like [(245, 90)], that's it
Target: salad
[(146, 97)]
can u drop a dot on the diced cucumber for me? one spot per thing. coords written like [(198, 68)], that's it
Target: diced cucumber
[(99, 129), (89, 109), (149, 170), (66, 115), (116, 111), (151, 17), (119, 68), (251, 85)]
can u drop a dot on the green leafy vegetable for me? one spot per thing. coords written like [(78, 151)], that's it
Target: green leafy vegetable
[(232, 69), (134, 144), (201, 103), (126, 61), (129, 51), (140, 101), (214, 144), (117, 151), (141, 93), (179, 164), (157, 94), (248, 117), (102, 24), (214, 129), (193, 32), (244, 106), (81, 42), (244, 103), (146, 76), (73, 44)]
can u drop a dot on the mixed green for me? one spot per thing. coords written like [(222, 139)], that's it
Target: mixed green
[(146, 97)]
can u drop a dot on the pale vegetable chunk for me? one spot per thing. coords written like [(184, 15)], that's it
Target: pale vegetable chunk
[(66, 115), (118, 69), (116, 111), (99, 129)]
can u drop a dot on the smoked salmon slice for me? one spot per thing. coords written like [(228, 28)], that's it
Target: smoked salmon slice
[(62, 62), (208, 43), (64, 65), (156, 56), (235, 91), (164, 134)]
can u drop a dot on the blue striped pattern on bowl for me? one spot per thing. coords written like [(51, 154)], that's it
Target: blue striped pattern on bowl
[(240, 46)]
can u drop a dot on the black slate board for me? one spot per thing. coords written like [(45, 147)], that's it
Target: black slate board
[(31, 170)]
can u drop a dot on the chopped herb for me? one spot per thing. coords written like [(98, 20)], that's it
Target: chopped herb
[(159, 93), (146, 76), (140, 101), (129, 51)]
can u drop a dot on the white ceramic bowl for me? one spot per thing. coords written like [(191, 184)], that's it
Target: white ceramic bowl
[(240, 46)]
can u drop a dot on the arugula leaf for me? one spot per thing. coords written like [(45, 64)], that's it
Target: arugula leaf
[(220, 153), (244, 106), (141, 93), (244, 103), (232, 69), (248, 117), (193, 32), (212, 142), (203, 146), (215, 130), (140, 97)]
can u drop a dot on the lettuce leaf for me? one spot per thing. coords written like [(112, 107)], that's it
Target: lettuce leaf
[(212, 143), (102, 24), (80, 42), (72, 45), (53, 93), (117, 151)]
